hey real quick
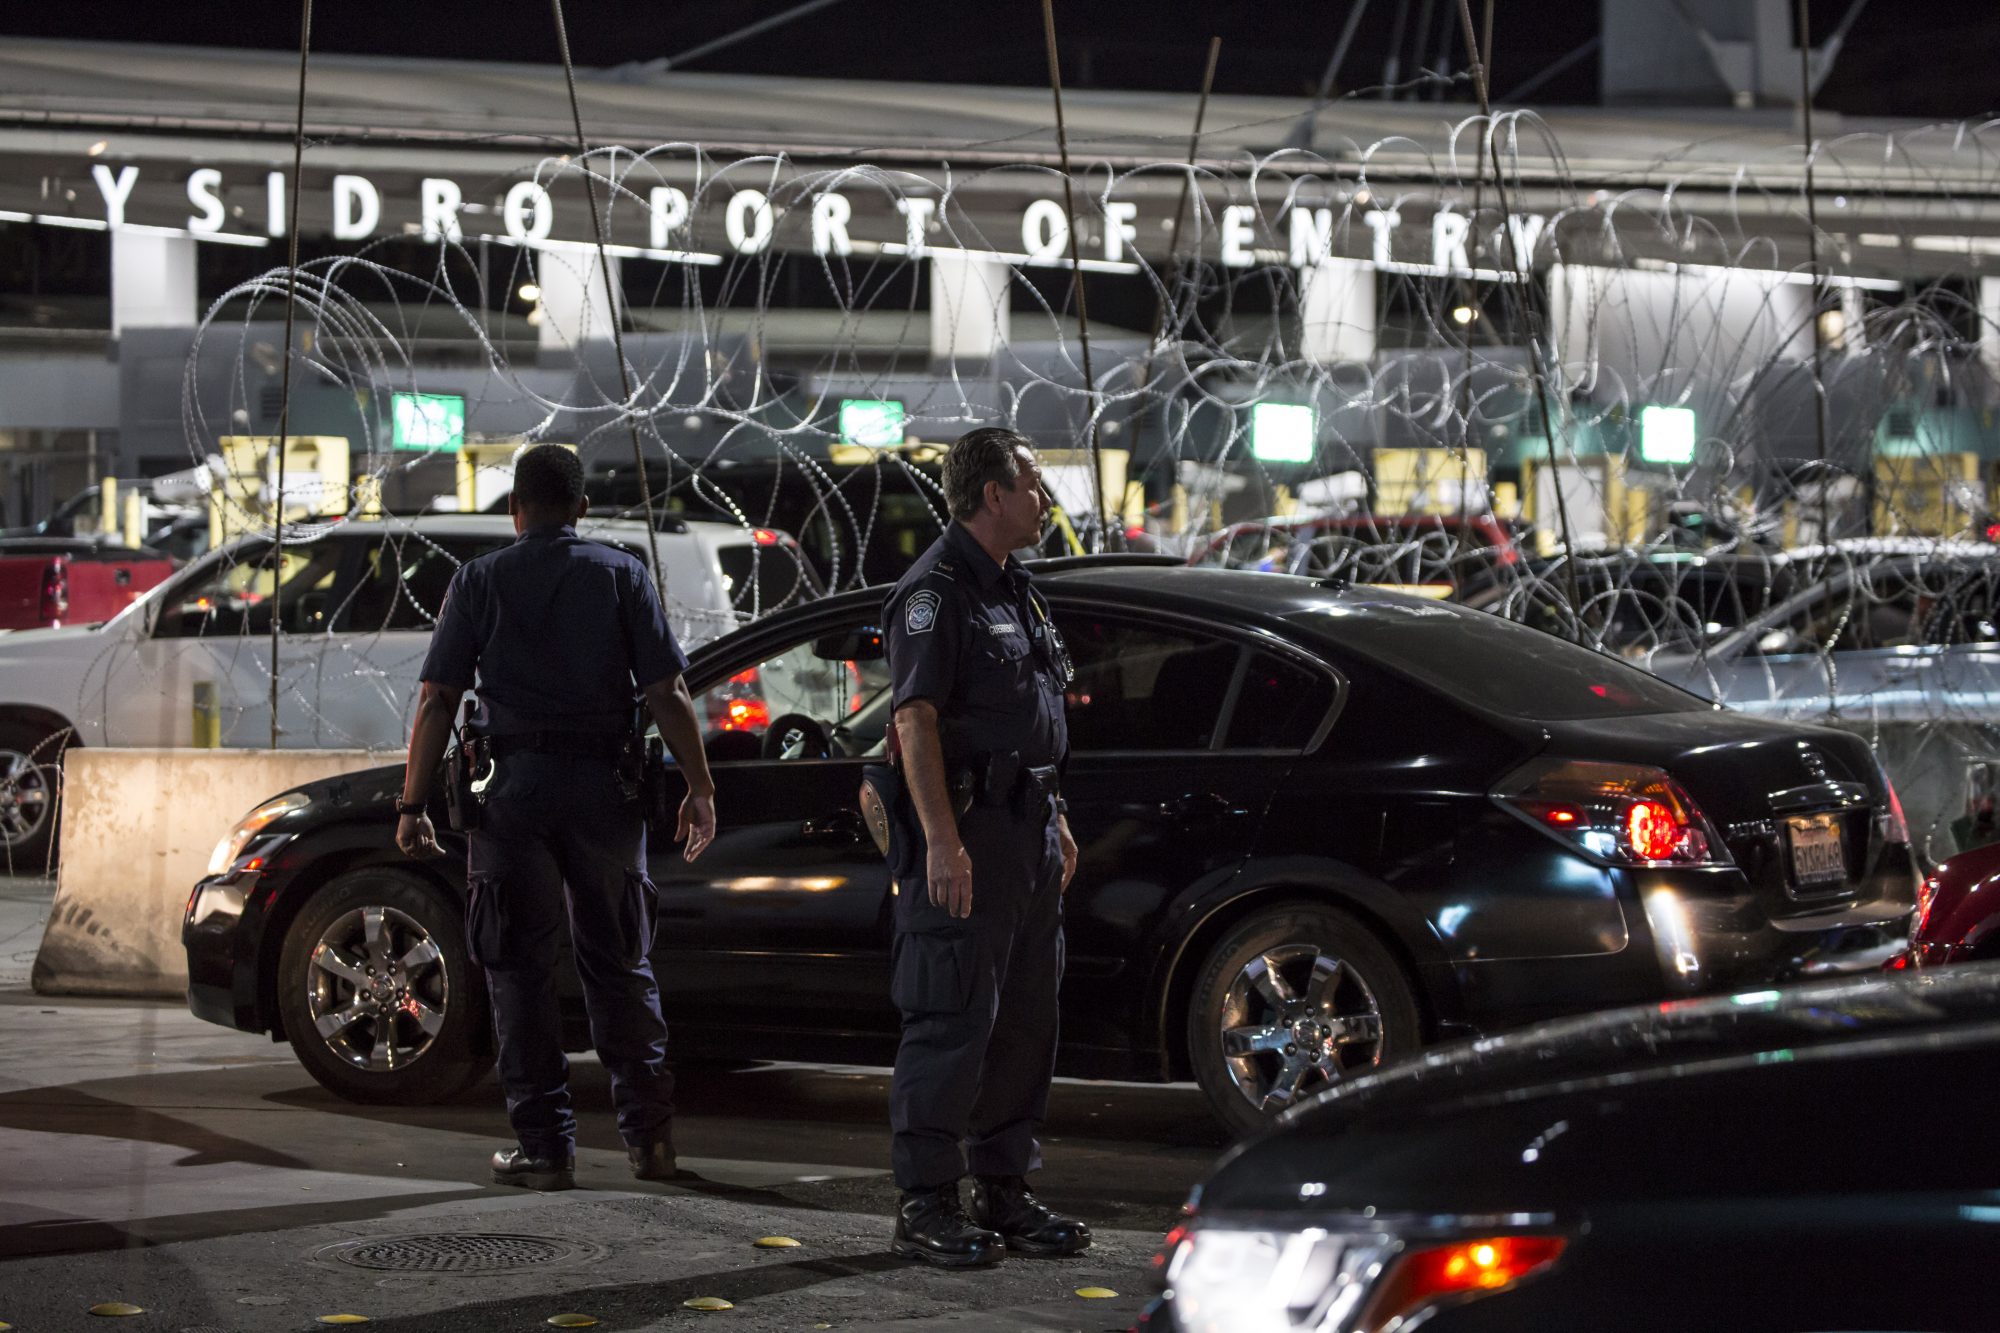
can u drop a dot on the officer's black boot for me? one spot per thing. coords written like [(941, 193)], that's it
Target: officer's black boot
[(513, 1166), (654, 1159), (931, 1225), (1003, 1204)]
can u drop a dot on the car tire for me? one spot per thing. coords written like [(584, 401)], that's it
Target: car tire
[(423, 1035), (1294, 998), (30, 782)]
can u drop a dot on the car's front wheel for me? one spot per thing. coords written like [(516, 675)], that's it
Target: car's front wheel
[(1295, 998), (378, 995), (30, 778)]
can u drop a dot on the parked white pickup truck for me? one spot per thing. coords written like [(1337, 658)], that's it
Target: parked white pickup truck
[(357, 606)]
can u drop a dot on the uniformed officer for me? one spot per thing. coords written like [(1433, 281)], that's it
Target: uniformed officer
[(563, 637), (979, 673)]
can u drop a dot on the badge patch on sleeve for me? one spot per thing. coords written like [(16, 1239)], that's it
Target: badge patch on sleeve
[(920, 613)]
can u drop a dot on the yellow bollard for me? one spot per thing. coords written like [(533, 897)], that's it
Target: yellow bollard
[(207, 717)]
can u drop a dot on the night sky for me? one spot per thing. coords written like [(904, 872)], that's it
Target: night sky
[(1920, 58)]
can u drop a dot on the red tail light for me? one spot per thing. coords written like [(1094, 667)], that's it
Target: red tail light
[(1426, 1277), (55, 590), (764, 537), (1626, 814)]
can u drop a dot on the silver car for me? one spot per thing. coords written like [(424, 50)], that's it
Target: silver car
[(1896, 640)]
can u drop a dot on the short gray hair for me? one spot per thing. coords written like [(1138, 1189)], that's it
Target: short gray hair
[(989, 453)]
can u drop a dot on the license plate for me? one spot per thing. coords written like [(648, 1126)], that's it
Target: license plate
[(1817, 854)]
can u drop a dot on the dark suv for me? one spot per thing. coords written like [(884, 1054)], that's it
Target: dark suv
[(1320, 827)]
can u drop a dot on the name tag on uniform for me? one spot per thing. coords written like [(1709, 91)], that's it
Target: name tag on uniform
[(1003, 629)]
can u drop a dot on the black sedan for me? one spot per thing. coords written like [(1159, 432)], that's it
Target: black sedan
[(1321, 827), (1801, 1159)]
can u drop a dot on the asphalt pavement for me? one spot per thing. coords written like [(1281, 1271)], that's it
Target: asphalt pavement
[(199, 1174)]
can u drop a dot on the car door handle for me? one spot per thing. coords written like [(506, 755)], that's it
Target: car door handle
[(1198, 807), (842, 826)]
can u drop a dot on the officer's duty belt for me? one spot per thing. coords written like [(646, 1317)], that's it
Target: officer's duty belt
[(575, 745), (1003, 778)]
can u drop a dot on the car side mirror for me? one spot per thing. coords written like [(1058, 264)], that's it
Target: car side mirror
[(860, 644)]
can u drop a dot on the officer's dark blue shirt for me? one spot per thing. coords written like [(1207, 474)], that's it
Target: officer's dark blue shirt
[(556, 633), (973, 638)]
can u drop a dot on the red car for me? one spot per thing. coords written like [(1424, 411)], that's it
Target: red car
[(52, 581), (1958, 912)]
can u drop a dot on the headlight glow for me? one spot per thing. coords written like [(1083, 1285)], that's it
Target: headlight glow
[(1236, 1281), (233, 843)]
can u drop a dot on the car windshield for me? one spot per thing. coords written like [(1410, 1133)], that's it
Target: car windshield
[(1495, 664)]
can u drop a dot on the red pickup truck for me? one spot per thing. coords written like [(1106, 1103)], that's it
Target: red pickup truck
[(50, 581)]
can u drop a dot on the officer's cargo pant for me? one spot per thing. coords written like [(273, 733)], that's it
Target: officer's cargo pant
[(558, 832), (978, 998)]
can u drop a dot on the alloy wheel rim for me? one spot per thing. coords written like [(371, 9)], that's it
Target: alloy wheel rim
[(1296, 1020), (26, 794), (377, 988)]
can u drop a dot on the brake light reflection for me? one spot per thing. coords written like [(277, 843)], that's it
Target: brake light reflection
[(1468, 1268)]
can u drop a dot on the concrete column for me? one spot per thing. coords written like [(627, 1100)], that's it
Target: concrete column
[(152, 281), (1337, 319), (970, 305), (1989, 325), (575, 306)]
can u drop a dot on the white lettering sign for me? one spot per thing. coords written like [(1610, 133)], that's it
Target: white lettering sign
[(357, 207), (830, 214), (202, 186), (916, 220), (747, 222), (1448, 242), (441, 199), (1045, 231), (668, 213), (1382, 222), (1312, 235), (526, 196), (1238, 235), (1118, 229), (115, 192)]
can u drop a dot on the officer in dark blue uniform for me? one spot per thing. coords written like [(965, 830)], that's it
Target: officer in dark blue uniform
[(563, 638), (979, 673)]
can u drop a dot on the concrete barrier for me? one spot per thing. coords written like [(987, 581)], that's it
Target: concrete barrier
[(138, 827)]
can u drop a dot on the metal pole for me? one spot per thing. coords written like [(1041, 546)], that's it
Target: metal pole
[(611, 299), (1818, 277), (1537, 365), (285, 374), (1174, 245), (1076, 277)]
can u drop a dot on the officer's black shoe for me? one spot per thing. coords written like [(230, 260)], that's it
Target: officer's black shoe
[(931, 1225), (512, 1166), (654, 1160), (1003, 1204)]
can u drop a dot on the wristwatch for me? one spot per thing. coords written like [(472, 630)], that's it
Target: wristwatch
[(413, 808), (1062, 806)]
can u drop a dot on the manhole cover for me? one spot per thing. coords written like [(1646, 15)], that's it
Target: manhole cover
[(461, 1252)]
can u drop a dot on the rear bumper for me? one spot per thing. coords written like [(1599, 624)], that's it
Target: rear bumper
[(1716, 931)]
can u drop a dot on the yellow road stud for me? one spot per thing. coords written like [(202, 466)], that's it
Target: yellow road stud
[(708, 1303)]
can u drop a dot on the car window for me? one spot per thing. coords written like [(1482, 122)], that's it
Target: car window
[(1965, 615), (1139, 687), (1279, 705), (401, 578), (760, 577), (825, 698), (234, 596), (1848, 617)]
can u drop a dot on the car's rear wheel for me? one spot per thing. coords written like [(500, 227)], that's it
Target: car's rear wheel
[(30, 779), (1295, 998), (378, 995)]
